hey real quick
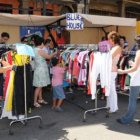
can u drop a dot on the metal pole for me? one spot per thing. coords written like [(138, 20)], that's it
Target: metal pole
[(25, 92)]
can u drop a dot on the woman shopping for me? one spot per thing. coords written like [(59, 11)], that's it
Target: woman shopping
[(114, 40), (134, 72), (41, 76)]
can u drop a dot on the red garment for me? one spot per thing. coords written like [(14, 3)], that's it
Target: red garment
[(60, 41), (76, 68), (122, 81), (90, 66), (9, 59)]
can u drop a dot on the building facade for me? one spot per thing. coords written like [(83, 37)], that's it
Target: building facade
[(123, 8), (36, 7)]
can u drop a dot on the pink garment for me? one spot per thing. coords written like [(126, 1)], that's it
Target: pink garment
[(82, 77), (58, 75), (81, 56), (82, 74), (91, 61)]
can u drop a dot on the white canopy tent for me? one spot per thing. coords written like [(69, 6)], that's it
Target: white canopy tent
[(89, 20), (126, 25)]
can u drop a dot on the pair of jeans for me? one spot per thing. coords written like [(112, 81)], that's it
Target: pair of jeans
[(133, 95)]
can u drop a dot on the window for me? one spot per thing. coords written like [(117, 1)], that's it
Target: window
[(30, 12), (49, 12), (133, 12), (65, 9), (5, 8), (103, 13)]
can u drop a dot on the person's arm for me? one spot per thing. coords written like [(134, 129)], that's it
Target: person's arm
[(125, 49), (46, 55), (4, 69), (136, 64)]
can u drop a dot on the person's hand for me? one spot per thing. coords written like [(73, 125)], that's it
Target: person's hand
[(131, 63), (120, 71), (4, 63), (55, 53), (9, 67), (60, 65)]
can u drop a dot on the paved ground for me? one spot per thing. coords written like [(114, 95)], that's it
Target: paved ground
[(69, 126)]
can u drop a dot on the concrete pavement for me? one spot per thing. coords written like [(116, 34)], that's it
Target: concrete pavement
[(68, 125)]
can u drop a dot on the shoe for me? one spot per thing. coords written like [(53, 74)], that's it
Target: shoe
[(53, 108), (42, 102), (102, 97), (110, 112), (37, 105), (30, 110), (58, 109), (120, 122), (21, 117), (13, 118)]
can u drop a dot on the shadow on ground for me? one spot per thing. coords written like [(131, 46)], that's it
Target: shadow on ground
[(59, 126)]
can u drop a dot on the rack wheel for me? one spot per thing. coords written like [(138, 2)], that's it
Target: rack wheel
[(84, 120), (40, 126), (93, 112), (25, 123), (107, 116), (11, 133)]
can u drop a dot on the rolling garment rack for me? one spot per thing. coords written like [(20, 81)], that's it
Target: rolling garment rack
[(94, 110), (28, 51), (26, 118)]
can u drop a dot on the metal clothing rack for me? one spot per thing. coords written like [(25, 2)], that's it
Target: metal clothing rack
[(96, 98), (26, 118)]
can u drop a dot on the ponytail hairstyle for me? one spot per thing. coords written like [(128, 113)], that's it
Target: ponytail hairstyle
[(137, 39), (114, 36), (37, 40)]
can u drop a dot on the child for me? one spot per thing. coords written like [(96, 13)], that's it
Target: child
[(57, 81)]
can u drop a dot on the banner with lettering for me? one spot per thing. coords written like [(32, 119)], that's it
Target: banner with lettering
[(74, 21), (26, 30)]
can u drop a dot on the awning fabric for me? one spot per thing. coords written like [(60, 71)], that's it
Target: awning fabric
[(89, 20)]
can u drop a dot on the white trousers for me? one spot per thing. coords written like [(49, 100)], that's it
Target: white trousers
[(112, 99)]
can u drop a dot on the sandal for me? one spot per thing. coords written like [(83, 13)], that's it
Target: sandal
[(37, 105), (42, 102)]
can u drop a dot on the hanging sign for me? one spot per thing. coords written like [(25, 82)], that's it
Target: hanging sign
[(74, 21)]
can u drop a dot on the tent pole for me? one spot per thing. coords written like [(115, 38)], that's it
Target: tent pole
[(50, 34)]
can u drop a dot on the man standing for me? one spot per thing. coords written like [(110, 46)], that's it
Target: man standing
[(4, 37)]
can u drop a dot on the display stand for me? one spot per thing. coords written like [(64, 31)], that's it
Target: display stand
[(26, 118)]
